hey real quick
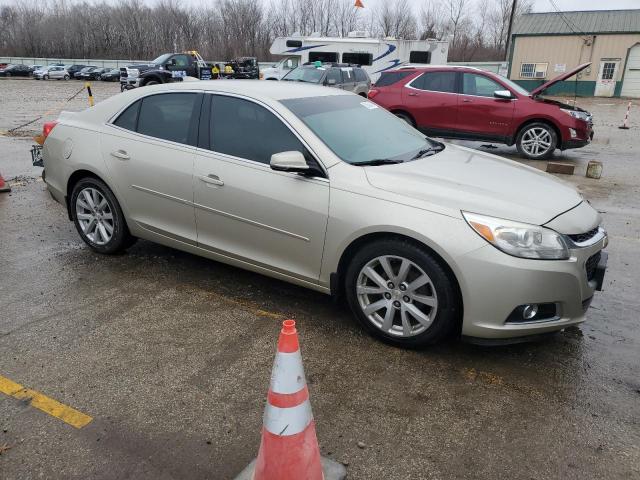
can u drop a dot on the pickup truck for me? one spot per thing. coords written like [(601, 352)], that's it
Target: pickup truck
[(167, 68)]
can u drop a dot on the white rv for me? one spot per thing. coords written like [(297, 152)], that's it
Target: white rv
[(373, 54)]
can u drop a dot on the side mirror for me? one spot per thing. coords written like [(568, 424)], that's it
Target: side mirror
[(289, 162), (331, 82), (504, 94)]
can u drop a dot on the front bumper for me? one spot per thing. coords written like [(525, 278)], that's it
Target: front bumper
[(496, 283)]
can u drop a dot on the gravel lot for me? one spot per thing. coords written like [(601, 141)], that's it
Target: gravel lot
[(171, 353)]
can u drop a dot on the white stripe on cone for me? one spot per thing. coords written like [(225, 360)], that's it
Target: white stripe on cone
[(287, 421), (287, 375)]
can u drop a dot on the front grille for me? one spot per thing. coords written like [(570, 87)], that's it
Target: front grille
[(583, 237), (591, 265)]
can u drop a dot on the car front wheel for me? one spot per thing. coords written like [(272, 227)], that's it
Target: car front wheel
[(46, 77), (98, 217), (401, 294), (66, 77), (537, 141)]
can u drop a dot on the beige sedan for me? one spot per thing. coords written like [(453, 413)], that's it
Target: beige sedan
[(326, 190)]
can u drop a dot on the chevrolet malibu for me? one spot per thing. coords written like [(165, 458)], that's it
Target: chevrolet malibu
[(324, 189)]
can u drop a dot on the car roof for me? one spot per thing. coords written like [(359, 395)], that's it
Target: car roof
[(266, 90), (424, 68)]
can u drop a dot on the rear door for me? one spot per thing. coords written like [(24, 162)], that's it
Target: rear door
[(432, 100), (348, 79), (479, 111), (245, 210), (333, 78), (149, 151)]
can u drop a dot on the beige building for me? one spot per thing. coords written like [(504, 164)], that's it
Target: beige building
[(544, 45)]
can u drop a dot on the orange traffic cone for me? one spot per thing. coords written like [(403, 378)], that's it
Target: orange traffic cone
[(4, 186), (289, 449)]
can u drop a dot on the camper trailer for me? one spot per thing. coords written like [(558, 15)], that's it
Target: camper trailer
[(373, 54)]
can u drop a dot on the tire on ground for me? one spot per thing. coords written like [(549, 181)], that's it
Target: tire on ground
[(121, 239), (546, 154), (449, 310)]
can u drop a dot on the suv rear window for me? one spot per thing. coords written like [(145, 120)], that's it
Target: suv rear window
[(389, 78)]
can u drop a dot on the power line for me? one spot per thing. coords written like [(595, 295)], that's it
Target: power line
[(570, 25)]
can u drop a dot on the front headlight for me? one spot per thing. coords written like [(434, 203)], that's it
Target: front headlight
[(519, 239), (577, 114)]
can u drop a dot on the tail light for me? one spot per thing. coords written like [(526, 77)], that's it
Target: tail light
[(46, 129), (373, 92)]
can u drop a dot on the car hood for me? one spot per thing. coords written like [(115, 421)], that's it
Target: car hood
[(460, 178), (559, 78)]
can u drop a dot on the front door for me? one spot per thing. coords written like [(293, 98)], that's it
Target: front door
[(149, 151), (432, 101), (479, 111), (607, 75), (247, 211)]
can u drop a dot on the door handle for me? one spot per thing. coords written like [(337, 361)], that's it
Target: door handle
[(121, 154), (466, 100), (212, 179), (411, 94)]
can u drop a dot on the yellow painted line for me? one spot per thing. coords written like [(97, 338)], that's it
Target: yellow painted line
[(48, 405)]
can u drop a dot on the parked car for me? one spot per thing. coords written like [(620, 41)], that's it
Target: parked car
[(344, 76), (111, 75), (468, 103), (96, 73), (424, 239), (15, 71), (73, 69), (51, 72), (80, 74)]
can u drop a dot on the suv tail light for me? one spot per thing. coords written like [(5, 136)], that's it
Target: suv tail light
[(373, 92)]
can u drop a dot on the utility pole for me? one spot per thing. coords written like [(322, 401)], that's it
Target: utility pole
[(508, 44)]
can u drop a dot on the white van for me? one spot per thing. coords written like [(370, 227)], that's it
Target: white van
[(373, 54)]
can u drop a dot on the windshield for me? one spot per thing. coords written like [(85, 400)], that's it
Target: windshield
[(514, 86), (161, 58), (305, 74), (359, 131)]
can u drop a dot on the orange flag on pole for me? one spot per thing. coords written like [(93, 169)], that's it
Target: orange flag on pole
[(359, 4)]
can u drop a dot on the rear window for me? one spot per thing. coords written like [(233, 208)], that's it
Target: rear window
[(358, 58), (389, 78)]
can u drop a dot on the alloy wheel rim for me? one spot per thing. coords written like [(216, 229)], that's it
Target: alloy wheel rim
[(397, 296), (95, 216), (536, 141)]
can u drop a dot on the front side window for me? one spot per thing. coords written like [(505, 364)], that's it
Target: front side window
[(358, 131), (247, 130), (436, 82), (167, 116), (479, 85), (290, 63), (324, 57), (182, 61)]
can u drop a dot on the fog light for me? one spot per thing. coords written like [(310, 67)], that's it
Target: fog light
[(529, 311), (573, 133), (534, 312)]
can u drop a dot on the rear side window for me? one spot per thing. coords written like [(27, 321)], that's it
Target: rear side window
[(358, 58), (247, 130), (329, 57), (129, 118), (347, 75), (167, 116), (361, 75), (416, 56), (334, 74), (389, 78), (436, 82)]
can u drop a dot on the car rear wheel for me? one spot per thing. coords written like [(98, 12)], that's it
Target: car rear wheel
[(401, 294), (46, 77), (537, 141), (152, 82), (7, 74), (98, 217)]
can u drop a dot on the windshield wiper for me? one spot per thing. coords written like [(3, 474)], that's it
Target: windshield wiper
[(428, 151), (378, 161)]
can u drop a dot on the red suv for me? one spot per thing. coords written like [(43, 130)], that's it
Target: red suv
[(465, 102)]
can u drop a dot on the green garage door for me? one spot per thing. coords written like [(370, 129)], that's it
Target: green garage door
[(631, 83)]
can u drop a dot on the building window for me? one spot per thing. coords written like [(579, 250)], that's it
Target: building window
[(533, 70), (328, 57), (608, 70), (419, 57)]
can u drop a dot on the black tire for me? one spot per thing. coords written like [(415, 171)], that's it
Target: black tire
[(405, 117), (449, 310), (121, 239), (553, 144), (66, 77), (8, 74), (151, 82), (45, 77)]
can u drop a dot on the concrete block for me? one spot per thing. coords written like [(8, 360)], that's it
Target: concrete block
[(332, 470), (594, 169), (558, 167)]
